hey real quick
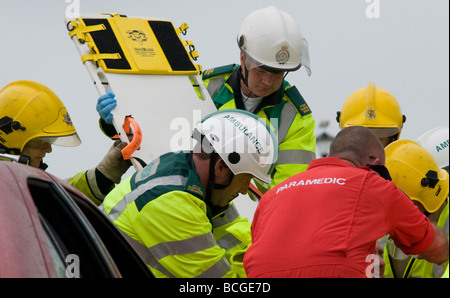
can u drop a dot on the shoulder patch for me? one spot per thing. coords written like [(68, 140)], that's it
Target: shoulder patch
[(212, 72), (194, 185), (298, 101)]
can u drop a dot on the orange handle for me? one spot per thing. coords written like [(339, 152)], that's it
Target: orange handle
[(255, 191), (137, 137)]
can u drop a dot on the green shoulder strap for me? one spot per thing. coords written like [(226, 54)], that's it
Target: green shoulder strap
[(212, 72), (298, 101)]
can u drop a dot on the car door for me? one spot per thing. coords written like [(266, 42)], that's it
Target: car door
[(59, 229)]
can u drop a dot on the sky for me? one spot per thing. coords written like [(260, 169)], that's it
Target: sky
[(400, 45)]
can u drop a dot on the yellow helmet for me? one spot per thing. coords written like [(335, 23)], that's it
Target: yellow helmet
[(414, 170), (375, 108), (30, 110)]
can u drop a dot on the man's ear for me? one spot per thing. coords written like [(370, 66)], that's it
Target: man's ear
[(219, 167)]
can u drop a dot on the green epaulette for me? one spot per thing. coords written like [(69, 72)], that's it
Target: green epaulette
[(298, 101), (212, 72)]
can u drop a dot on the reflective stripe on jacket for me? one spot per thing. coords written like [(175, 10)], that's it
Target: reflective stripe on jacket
[(162, 211), (86, 182), (285, 110)]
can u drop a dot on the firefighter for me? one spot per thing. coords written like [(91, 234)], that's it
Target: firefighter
[(33, 118), (376, 109), (414, 170)]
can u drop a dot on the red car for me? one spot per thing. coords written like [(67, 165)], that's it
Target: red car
[(50, 229)]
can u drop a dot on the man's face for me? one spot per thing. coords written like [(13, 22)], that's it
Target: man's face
[(238, 185), (385, 141), (36, 150), (263, 83), (260, 81)]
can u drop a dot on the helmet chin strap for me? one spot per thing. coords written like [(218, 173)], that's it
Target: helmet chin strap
[(244, 78), (211, 178), (43, 166)]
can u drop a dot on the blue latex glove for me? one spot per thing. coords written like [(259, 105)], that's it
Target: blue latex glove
[(105, 104)]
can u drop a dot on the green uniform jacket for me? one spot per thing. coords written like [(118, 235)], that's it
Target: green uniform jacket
[(161, 210), (285, 110), (421, 268)]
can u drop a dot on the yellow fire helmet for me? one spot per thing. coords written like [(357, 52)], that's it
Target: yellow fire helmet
[(414, 170), (375, 108), (30, 110)]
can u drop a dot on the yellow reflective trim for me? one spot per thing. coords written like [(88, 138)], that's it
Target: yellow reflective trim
[(191, 245), (286, 118), (146, 255), (230, 215), (228, 241), (87, 184), (219, 269), (185, 246), (120, 207)]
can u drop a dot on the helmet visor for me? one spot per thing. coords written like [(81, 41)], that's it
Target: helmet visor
[(65, 141), (384, 132)]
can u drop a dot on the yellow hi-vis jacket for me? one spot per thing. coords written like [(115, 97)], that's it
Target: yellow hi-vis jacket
[(162, 212), (87, 183), (445, 275), (285, 110), (421, 268)]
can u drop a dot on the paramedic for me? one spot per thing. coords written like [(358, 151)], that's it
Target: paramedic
[(172, 210), (330, 217)]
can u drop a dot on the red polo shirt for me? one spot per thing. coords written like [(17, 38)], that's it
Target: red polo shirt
[(324, 222)]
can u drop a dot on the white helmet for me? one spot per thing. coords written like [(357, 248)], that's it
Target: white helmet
[(243, 140), (437, 143), (270, 37)]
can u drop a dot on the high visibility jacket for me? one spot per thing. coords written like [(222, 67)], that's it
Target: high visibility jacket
[(87, 183), (421, 268), (285, 110), (161, 210), (445, 275)]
